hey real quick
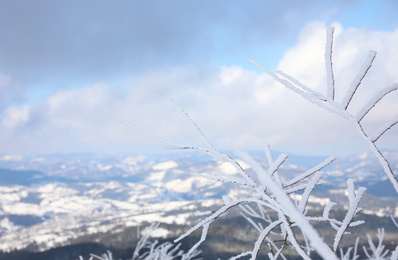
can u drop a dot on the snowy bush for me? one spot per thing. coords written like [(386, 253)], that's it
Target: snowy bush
[(148, 250), (291, 225)]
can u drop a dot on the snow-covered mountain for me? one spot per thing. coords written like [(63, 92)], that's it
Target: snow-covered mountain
[(49, 201)]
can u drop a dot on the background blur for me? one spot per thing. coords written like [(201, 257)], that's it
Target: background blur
[(72, 71)]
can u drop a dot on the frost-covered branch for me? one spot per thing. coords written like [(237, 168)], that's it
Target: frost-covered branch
[(310, 172), (335, 224), (106, 256), (394, 254), (263, 234), (274, 196), (143, 242), (384, 128), (271, 161), (81, 258), (218, 213), (347, 255), (164, 251), (328, 102), (354, 198), (288, 208), (358, 79), (376, 252), (394, 221), (373, 101), (329, 63), (271, 192)]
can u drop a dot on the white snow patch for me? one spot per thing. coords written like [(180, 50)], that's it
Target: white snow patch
[(10, 197), (59, 189), (38, 159), (22, 209), (341, 191), (379, 212), (113, 185), (209, 194), (7, 225), (11, 158), (104, 168), (165, 166), (179, 185), (133, 160), (228, 168), (335, 173), (160, 232), (313, 199), (363, 156), (156, 176)]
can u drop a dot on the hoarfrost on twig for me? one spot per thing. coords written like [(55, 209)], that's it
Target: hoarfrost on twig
[(328, 102), (329, 63), (373, 101), (347, 255), (394, 254), (273, 192), (376, 252), (358, 79), (106, 256), (354, 198)]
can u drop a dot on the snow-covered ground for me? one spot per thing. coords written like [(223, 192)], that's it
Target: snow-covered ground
[(47, 201)]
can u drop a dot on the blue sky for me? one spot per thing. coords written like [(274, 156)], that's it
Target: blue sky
[(71, 71)]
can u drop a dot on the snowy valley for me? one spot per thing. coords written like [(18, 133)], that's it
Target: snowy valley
[(60, 200)]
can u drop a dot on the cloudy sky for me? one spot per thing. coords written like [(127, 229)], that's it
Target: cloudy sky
[(72, 71)]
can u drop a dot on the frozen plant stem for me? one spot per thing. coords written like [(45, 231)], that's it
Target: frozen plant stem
[(269, 191), (272, 192), (379, 252), (327, 102), (290, 209), (354, 198), (329, 63)]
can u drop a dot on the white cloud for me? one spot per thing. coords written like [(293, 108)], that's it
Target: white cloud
[(351, 48), (11, 158), (15, 116), (230, 74), (236, 108), (307, 55)]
